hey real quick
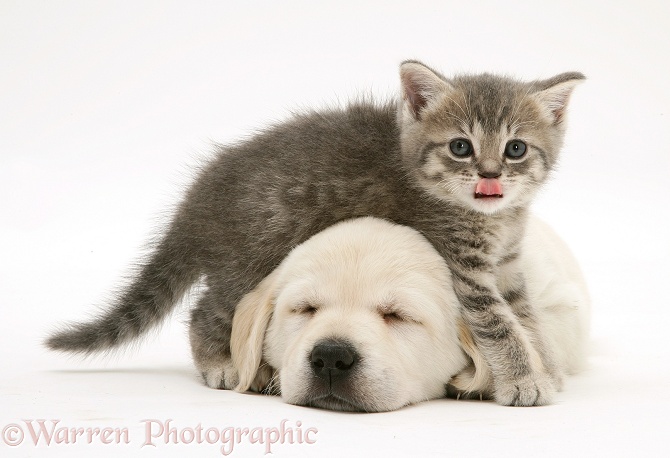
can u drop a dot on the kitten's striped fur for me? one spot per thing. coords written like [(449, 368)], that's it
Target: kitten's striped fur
[(260, 198)]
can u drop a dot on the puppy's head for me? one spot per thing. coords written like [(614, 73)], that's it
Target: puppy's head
[(361, 317)]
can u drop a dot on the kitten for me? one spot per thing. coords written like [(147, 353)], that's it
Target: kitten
[(458, 159)]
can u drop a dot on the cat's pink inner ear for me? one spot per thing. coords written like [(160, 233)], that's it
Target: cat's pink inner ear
[(413, 96), (554, 98), (419, 85)]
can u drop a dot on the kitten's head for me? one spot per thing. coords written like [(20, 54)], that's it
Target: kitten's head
[(483, 142)]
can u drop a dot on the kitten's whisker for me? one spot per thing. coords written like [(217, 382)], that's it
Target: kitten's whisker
[(461, 120), (459, 106), (467, 105), (514, 123), (451, 184)]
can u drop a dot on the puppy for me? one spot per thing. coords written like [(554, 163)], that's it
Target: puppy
[(363, 317)]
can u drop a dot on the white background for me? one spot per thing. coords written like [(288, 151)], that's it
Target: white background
[(105, 107)]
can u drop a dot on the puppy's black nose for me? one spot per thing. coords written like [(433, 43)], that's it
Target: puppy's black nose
[(331, 359)]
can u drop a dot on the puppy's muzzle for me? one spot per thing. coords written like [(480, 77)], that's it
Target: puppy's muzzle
[(333, 360)]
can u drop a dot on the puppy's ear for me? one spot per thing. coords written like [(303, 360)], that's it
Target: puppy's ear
[(252, 316), (477, 376)]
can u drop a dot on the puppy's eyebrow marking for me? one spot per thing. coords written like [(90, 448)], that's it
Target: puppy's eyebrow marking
[(388, 307)]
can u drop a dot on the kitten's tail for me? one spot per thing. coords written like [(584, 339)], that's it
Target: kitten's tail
[(149, 299)]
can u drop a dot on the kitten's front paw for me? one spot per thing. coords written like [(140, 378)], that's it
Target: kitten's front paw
[(222, 376), (535, 390)]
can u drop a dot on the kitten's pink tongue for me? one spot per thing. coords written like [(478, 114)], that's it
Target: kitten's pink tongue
[(488, 187)]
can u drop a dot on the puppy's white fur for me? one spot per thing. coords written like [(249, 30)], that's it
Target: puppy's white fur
[(384, 289)]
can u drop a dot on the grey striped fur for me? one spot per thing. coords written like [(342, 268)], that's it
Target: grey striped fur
[(260, 198)]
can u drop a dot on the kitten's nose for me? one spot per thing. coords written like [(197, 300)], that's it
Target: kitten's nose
[(490, 173)]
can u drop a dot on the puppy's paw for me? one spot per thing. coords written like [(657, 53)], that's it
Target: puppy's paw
[(265, 380), (551, 367), (455, 393), (537, 390), (222, 376), (557, 380)]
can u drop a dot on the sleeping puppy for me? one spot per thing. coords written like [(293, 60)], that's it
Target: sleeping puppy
[(358, 318)]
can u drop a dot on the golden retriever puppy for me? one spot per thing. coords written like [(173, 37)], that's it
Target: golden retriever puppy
[(363, 317)]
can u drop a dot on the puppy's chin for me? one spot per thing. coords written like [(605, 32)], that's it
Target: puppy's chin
[(317, 394), (346, 400), (333, 402)]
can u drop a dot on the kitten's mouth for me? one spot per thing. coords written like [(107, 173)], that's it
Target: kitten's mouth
[(488, 188)]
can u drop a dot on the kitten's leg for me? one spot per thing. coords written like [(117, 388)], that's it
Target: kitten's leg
[(210, 329), (511, 284), (519, 374)]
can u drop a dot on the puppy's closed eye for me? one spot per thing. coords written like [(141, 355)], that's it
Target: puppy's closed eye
[(305, 308), (393, 316)]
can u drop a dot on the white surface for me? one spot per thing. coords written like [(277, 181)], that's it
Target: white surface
[(104, 106)]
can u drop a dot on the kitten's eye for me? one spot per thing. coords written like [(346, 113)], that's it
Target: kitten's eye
[(515, 149), (461, 147)]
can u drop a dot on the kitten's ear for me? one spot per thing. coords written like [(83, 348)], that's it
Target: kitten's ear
[(553, 94), (420, 85), (252, 317)]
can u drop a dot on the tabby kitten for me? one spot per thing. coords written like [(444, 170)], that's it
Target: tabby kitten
[(458, 159)]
